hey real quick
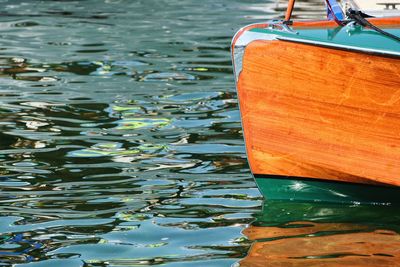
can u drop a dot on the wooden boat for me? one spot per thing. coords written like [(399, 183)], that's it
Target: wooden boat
[(379, 8), (320, 102)]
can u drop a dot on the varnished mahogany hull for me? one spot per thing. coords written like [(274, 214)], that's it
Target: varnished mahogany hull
[(317, 112)]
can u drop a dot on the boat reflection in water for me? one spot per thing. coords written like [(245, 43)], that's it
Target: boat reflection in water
[(290, 233)]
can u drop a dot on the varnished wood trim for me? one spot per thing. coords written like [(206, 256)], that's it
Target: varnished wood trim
[(387, 21)]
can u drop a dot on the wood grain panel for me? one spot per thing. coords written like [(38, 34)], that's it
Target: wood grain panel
[(322, 113), (386, 21)]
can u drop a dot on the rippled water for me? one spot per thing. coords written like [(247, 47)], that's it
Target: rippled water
[(288, 233), (120, 134)]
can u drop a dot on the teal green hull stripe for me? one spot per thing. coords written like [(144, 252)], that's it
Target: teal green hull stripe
[(350, 37), (288, 188)]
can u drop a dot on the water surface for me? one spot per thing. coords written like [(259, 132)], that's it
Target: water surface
[(120, 135)]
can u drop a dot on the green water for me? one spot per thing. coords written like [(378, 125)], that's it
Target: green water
[(120, 135)]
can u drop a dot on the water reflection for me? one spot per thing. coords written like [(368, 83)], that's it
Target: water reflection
[(291, 233), (120, 135)]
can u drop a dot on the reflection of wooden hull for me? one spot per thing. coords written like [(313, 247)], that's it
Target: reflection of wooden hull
[(320, 234), (315, 111), (370, 248)]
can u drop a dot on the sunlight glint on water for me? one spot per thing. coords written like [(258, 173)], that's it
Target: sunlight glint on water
[(120, 138)]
